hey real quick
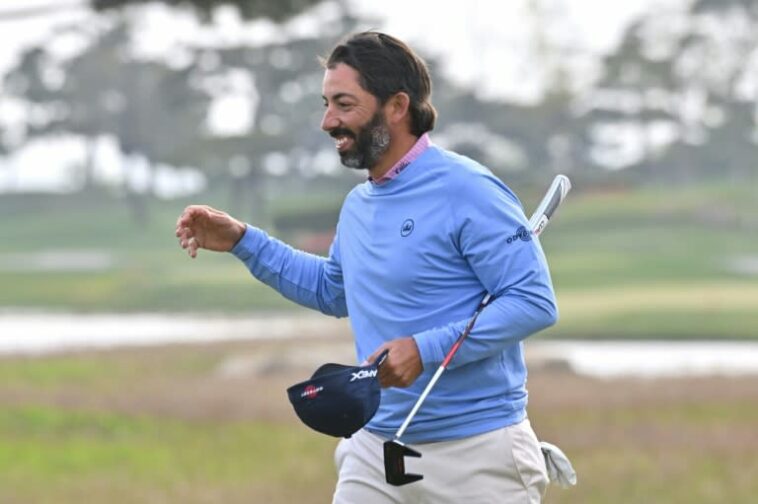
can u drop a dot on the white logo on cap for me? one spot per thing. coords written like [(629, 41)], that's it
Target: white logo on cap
[(363, 374)]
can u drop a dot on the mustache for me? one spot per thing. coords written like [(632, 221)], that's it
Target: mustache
[(336, 132)]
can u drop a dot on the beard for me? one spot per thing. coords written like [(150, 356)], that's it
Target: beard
[(370, 143)]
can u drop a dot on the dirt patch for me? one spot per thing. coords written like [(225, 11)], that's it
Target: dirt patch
[(224, 381)]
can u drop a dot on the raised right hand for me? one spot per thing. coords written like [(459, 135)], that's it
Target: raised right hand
[(200, 226)]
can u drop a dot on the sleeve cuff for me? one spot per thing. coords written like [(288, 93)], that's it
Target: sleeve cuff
[(430, 344), (251, 242)]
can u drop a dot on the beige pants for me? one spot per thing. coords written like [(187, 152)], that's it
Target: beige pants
[(503, 466)]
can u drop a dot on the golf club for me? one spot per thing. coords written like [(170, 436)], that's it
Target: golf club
[(394, 450)]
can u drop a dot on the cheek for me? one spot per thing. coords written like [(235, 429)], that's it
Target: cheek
[(362, 115)]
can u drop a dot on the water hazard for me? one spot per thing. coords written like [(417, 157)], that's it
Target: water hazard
[(36, 334)]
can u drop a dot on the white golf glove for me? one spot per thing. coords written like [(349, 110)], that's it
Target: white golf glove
[(559, 469)]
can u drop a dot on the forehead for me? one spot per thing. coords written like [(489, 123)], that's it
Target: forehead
[(343, 79)]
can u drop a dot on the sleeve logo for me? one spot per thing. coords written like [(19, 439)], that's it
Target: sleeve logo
[(521, 234)]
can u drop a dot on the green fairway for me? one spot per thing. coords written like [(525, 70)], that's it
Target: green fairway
[(649, 263)]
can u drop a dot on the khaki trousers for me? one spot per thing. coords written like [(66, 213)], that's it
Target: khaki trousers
[(503, 466)]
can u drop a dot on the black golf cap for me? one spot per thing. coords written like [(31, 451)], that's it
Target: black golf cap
[(338, 400)]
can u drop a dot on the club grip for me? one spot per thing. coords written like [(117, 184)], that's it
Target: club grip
[(556, 193)]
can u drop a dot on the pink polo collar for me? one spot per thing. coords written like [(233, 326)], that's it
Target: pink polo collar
[(418, 148)]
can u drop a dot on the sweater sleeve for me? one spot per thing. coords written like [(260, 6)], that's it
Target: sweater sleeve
[(309, 280), (491, 232)]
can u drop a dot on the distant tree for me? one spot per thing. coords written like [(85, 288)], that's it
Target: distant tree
[(148, 107), (515, 140), (277, 10), (683, 84), (160, 112), (47, 105), (287, 83), (723, 54), (721, 5)]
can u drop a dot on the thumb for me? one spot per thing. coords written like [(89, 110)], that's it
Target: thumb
[(371, 358)]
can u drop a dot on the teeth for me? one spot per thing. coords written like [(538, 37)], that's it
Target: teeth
[(341, 142)]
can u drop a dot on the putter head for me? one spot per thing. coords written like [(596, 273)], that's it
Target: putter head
[(394, 463)]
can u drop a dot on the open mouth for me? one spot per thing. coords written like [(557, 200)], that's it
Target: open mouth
[(343, 143), (343, 139)]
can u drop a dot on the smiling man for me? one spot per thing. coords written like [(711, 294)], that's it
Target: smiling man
[(364, 148), (418, 245)]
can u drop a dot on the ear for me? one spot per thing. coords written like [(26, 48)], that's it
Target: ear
[(398, 108)]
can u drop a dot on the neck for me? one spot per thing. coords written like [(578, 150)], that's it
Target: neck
[(398, 148)]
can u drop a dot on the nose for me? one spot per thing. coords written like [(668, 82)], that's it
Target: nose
[(329, 121)]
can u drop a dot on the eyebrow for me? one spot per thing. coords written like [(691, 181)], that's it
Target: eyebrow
[(339, 96)]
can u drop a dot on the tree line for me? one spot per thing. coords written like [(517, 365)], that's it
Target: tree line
[(676, 102)]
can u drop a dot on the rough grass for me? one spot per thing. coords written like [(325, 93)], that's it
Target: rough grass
[(54, 453), (662, 441), (168, 425)]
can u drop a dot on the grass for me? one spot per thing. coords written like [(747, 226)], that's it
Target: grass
[(147, 426), (164, 425), (684, 309), (88, 370), (51, 454), (677, 452)]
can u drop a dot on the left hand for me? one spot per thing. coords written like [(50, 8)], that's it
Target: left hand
[(201, 226), (402, 365)]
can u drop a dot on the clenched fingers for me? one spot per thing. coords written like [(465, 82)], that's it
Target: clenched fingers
[(402, 365)]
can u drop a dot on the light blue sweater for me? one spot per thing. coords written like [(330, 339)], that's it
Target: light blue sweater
[(414, 257)]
